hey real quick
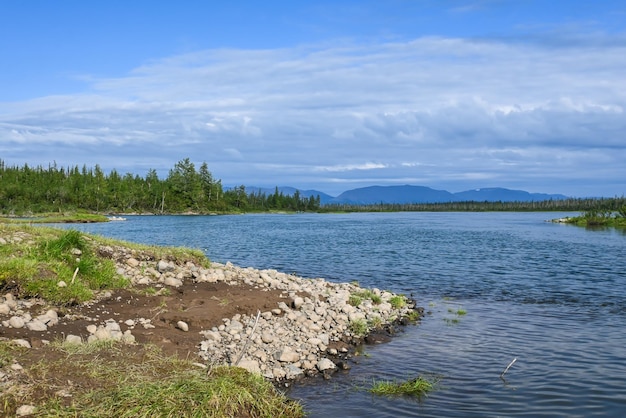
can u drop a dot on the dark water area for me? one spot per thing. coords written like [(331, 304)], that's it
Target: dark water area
[(552, 296)]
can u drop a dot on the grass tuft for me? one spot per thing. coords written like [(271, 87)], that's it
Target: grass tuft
[(359, 327), (398, 301), (416, 387)]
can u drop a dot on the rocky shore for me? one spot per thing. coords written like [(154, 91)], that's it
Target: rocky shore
[(295, 327)]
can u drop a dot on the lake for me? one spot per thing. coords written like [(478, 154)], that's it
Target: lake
[(552, 296)]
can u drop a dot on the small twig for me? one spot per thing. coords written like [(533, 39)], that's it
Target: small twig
[(74, 276), (508, 367), (245, 347)]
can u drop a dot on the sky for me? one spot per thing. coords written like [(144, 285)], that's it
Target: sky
[(325, 95)]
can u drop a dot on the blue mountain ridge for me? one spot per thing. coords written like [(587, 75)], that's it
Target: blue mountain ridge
[(413, 194)]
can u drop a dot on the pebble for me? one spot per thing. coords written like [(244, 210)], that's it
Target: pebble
[(288, 339)]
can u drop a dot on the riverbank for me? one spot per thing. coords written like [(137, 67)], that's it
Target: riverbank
[(272, 324)]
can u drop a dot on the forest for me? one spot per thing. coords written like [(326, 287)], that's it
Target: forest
[(186, 189), (28, 190)]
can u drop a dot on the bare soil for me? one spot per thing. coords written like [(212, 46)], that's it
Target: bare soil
[(201, 305)]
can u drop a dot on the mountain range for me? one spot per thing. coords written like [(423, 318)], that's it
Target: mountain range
[(414, 194)]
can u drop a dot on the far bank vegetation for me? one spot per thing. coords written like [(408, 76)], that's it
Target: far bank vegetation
[(30, 190)]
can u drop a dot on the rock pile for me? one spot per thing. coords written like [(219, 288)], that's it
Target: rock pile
[(304, 335)]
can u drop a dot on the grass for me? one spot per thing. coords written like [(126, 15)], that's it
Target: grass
[(357, 298), (35, 259), (359, 327), (599, 218), (415, 387), (36, 263), (72, 217), (398, 301), (458, 312), (104, 384)]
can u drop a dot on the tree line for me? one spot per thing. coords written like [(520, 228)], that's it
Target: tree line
[(41, 189), (603, 205)]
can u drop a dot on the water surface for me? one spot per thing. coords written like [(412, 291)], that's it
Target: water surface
[(551, 295)]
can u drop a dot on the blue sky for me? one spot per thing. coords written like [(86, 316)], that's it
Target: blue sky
[(330, 95)]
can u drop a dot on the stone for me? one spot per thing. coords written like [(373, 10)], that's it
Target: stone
[(172, 281), (250, 365), (16, 367), (163, 266), (73, 339), (16, 322), (102, 334), (36, 325), (297, 302), (212, 336), (4, 309), (128, 338), (21, 342), (25, 410), (132, 262), (287, 356), (267, 337), (61, 283), (325, 364), (182, 325), (50, 318), (293, 372)]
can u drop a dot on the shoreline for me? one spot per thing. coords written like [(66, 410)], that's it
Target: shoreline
[(278, 325)]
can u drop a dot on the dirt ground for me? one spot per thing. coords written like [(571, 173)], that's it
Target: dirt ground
[(201, 305)]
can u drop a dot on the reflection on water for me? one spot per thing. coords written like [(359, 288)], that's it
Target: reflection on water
[(551, 295)]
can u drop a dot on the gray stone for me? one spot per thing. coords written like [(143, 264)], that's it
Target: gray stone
[(4, 309), (132, 262), (212, 336), (163, 266), (16, 322), (36, 325), (297, 302), (102, 334), (73, 339), (293, 372), (325, 364), (25, 410), (172, 281), (21, 343), (250, 365), (287, 356)]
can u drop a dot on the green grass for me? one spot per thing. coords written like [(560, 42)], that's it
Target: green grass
[(70, 217), (358, 297), (359, 327), (416, 387), (43, 257), (35, 259), (397, 301), (107, 381), (355, 300)]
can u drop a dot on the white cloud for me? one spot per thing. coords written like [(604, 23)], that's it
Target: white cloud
[(447, 112)]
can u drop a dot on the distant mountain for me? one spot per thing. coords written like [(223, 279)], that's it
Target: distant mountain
[(412, 194), (420, 194), (496, 194), (393, 194)]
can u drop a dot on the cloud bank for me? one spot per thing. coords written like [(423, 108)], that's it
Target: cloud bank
[(545, 115)]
